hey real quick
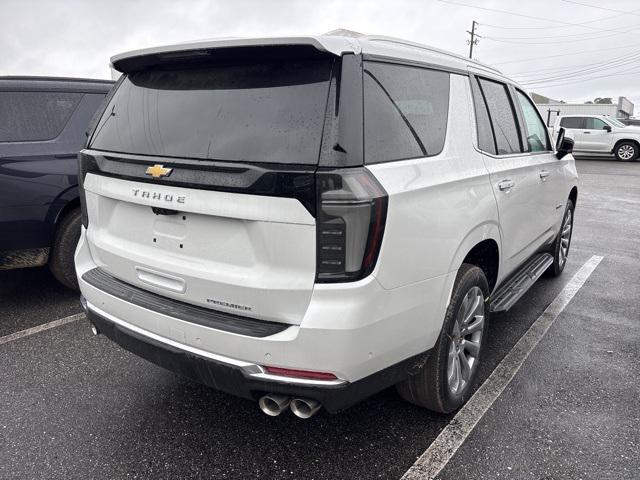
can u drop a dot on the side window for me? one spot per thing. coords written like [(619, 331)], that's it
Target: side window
[(405, 111), (572, 122), (486, 142), (594, 123), (33, 116), (502, 117), (537, 138)]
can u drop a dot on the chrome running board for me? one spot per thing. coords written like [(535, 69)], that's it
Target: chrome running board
[(509, 293)]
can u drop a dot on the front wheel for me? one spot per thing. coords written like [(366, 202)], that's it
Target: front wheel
[(562, 242), (626, 151), (447, 380)]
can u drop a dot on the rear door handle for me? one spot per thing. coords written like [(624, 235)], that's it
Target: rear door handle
[(544, 174), (506, 185), (587, 132)]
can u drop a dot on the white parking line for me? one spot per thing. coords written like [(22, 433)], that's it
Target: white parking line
[(434, 459), (40, 328)]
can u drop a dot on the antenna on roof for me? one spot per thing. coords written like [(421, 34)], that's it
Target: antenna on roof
[(343, 32)]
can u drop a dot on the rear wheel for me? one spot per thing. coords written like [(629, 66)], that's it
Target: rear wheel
[(61, 260), (447, 380), (626, 151), (562, 243)]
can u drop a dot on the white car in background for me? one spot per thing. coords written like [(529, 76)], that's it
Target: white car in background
[(600, 135)]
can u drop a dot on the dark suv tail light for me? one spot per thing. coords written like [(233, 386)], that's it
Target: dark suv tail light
[(352, 210)]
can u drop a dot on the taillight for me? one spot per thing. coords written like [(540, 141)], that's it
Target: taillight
[(352, 210)]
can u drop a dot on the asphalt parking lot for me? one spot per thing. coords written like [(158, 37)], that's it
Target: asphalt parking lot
[(77, 406)]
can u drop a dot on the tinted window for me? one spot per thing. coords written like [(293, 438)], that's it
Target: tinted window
[(572, 122), (594, 123), (486, 142), (502, 117), (536, 131), (405, 111), (269, 112), (31, 116)]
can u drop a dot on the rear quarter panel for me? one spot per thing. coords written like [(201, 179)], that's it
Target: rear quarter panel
[(440, 206)]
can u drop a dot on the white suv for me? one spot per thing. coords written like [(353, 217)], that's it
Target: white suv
[(307, 221), (601, 135)]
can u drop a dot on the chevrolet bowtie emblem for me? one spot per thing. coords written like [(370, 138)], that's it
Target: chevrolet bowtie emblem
[(158, 171)]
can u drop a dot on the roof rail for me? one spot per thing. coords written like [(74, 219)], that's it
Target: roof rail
[(378, 38), (55, 79)]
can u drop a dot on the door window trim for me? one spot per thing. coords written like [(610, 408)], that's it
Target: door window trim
[(522, 126), (514, 92), (474, 77)]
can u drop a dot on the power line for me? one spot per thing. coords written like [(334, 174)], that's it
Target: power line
[(632, 12), (570, 67), (553, 85), (586, 71), (583, 39), (507, 12), (589, 76), (559, 79), (520, 60), (538, 37), (502, 27)]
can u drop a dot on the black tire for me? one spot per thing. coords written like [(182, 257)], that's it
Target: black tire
[(430, 388), (61, 261), (626, 151), (556, 268)]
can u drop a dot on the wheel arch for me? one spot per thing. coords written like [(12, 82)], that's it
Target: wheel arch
[(481, 247), (573, 195), (71, 205), (623, 140), (65, 202)]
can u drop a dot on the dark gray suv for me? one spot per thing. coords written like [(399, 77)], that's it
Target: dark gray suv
[(43, 122)]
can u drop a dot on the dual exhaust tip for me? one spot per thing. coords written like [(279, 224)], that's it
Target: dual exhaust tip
[(274, 405)]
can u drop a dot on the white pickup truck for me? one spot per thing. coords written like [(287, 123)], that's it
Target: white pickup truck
[(600, 135)]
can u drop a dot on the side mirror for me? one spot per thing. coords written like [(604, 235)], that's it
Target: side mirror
[(607, 128), (564, 144)]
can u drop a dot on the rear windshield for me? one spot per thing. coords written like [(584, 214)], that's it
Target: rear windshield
[(269, 112)]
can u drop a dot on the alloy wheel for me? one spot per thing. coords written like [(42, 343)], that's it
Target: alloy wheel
[(565, 237), (465, 339), (626, 152)]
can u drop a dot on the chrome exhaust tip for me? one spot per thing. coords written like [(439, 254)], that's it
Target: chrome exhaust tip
[(304, 407), (94, 330), (273, 405)]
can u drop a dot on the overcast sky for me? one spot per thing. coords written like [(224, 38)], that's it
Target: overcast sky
[(566, 57)]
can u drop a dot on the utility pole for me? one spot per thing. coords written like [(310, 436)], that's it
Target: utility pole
[(474, 40)]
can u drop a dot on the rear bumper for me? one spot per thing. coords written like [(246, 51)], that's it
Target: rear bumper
[(367, 336), (243, 379)]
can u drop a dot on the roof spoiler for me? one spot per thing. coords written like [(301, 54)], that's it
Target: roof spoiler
[(232, 51)]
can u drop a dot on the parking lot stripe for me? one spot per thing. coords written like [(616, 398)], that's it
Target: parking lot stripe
[(40, 328), (434, 458)]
